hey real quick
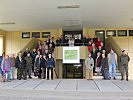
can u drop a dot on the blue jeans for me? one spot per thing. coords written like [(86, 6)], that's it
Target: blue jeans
[(8, 75), (112, 70)]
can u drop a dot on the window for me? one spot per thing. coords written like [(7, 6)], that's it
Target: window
[(25, 34), (100, 34), (110, 33), (122, 32), (36, 34), (130, 32), (45, 34)]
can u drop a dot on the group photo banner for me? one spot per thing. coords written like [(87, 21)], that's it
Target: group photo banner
[(71, 55)]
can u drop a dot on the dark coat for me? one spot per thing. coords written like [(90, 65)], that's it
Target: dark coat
[(77, 42), (20, 64), (50, 62), (40, 64), (104, 63), (98, 62), (58, 42)]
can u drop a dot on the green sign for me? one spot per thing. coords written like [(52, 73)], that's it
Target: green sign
[(71, 54)]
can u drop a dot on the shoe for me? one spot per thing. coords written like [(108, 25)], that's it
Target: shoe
[(114, 78), (24, 78), (8, 80), (109, 78), (122, 79), (127, 79)]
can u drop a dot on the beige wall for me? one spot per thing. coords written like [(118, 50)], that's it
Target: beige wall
[(2, 41), (14, 42), (123, 43)]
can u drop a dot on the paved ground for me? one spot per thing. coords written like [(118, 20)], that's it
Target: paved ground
[(66, 89)]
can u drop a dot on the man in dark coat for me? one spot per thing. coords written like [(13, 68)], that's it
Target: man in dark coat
[(20, 64)]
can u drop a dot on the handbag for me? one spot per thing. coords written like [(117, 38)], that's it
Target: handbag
[(98, 69)]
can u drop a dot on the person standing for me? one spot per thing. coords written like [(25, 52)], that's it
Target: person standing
[(28, 59), (98, 63), (20, 64), (104, 64), (38, 66), (112, 61), (89, 62), (43, 61), (50, 64), (34, 53), (12, 60), (124, 59), (6, 68)]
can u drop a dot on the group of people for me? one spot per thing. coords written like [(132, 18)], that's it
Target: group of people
[(39, 61), (106, 65), (72, 41)]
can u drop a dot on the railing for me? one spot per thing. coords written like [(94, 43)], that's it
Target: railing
[(32, 44)]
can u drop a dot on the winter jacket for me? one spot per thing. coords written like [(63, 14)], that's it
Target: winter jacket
[(6, 65), (89, 62), (104, 63), (124, 59), (28, 62), (12, 60), (98, 62), (50, 63), (20, 64)]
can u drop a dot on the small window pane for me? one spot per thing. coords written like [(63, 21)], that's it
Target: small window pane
[(130, 32), (45, 34), (36, 34), (110, 33), (25, 34), (122, 32)]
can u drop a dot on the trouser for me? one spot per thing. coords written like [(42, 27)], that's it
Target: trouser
[(123, 70), (44, 73), (112, 70), (105, 73), (49, 73), (28, 70), (89, 73), (39, 72), (21, 73), (13, 72), (7, 75)]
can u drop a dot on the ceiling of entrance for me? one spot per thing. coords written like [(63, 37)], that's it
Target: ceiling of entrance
[(20, 15)]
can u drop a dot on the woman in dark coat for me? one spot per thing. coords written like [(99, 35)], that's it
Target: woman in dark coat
[(50, 64), (38, 64), (98, 63), (104, 64), (43, 61)]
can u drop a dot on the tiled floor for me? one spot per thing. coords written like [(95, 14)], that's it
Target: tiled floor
[(97, 85), (66, 89)]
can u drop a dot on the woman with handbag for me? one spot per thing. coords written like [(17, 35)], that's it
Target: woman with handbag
[(98, 63)]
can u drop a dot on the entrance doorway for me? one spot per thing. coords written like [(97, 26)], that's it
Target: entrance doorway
[(73, 71)]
